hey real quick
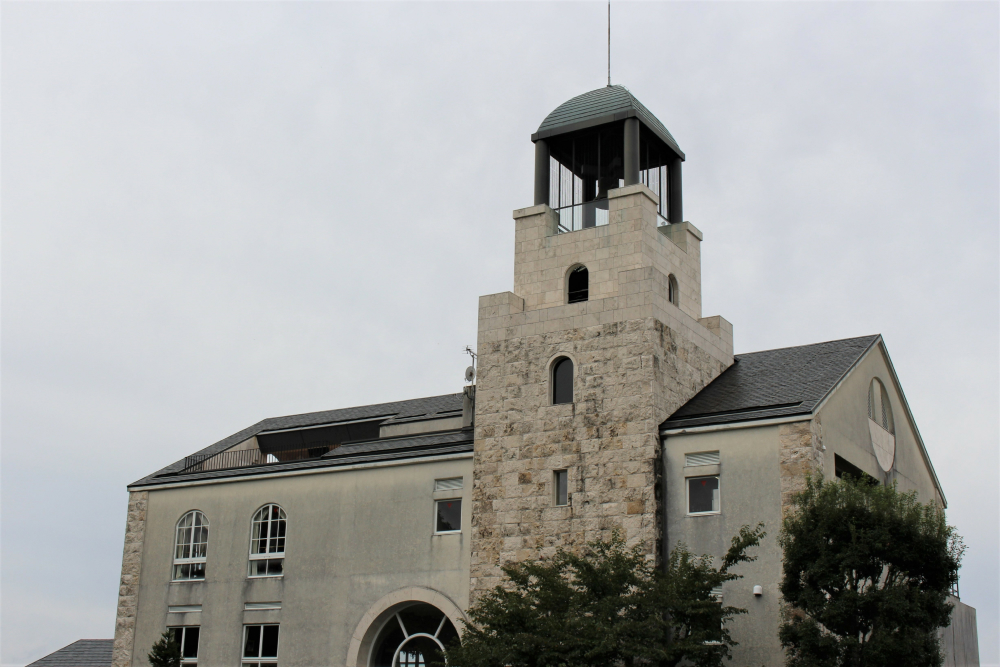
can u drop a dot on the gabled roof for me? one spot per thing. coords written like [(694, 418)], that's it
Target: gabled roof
[(81, 653), (774, 383), (388, 413), (600, 106)]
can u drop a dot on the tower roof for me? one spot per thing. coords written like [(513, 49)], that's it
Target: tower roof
[(600, 106)]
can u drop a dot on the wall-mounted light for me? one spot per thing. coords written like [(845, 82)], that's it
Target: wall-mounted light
[(758, 590)]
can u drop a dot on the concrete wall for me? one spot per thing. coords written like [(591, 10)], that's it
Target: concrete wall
[(960, 640), (750, 490), (353, 538)]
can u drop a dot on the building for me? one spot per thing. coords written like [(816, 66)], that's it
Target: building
[(604, 400)]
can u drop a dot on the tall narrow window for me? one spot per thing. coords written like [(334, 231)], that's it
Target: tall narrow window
[(187, 640), (562, 381), (560, 479), (267, 542), (260, 646), (191, 547), (672, 292), (579, 285)]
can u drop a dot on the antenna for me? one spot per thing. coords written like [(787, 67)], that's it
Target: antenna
[(470, 372), (609, 43)]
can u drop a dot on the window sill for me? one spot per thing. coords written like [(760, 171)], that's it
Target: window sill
[(265, 576), (704, 513), (187, 581), (447, 532)]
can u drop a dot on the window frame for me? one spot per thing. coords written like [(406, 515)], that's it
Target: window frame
[(556, 474), (184, 630), (461, 523), (267, 555), (177, 563), (259, 660), (562, 358), (576, 268), (673, 290), (687, 493)]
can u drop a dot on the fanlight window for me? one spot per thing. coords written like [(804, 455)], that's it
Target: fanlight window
[(881, 425), (191, 546), (267, 542), (562, 381), (578, 288), (413, 637)]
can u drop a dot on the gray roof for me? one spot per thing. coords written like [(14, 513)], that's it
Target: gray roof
[(773, 383), (411, 410), (81, 653), (600, 106)]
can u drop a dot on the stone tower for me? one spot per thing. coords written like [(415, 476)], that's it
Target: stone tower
[(607, 275)]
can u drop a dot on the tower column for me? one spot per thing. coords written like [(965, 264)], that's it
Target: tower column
[(631, 152), (675, 212), (541, 172)]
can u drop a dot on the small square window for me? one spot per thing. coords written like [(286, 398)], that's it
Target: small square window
[(449, 515), (260, 646), (187, 640), (703, 495), (560, 479)]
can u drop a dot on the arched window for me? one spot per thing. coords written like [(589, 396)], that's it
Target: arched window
[(578, 288), (267, 542), (881, 425), (414, 636), (562, 381), (191, 546), (672, 292)]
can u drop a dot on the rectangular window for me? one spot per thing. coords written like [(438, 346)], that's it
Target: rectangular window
[(701, 459), (703, 495), (187, 639), (560, 480), (449, 516), (260, 646), (450, 484)]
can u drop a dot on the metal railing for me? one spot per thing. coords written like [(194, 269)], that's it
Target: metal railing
[(590, 214), (243, 458), (582, 216)]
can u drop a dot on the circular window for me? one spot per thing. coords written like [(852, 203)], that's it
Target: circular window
[(415, 636), (881, 425)]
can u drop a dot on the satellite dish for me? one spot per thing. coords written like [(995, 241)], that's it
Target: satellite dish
[(470, 374)]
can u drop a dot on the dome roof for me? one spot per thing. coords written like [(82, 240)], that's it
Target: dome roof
[(600, 106)]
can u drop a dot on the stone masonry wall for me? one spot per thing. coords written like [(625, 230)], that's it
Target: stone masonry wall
[(800, 451), (637, 358), (128, 590)]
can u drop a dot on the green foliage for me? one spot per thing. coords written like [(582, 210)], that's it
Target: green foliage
[(867, 571), (165, 652), (608, 606)]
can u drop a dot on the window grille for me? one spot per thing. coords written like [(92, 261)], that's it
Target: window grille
[(702, 459), (267, 542), (191, 547), (260, 645)]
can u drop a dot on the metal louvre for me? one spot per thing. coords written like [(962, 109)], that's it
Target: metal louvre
[(701, 459), (449, 484)]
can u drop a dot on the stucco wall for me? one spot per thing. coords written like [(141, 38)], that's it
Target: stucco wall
[(750, 489), (353, 537), (845, 429)]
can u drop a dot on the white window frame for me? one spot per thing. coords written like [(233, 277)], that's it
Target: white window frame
[(189, 543), (687, 494), (259, 660), (461, 523), (267, 555), (184, 629)]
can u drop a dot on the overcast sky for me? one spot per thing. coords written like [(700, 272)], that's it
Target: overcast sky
[(216, 213)]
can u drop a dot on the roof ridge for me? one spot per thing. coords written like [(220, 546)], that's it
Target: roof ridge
[(792, 347)]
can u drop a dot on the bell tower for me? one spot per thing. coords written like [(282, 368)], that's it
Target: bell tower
[(601, 340)]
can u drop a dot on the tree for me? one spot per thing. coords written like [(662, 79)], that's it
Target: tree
[(867, 571), (607, 606), (166, 652)]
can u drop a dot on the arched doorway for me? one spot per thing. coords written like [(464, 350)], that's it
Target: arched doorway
[(413, 635)]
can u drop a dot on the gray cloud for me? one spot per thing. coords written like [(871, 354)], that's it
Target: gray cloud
[(214, 213)]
